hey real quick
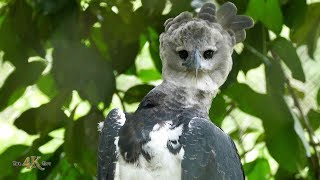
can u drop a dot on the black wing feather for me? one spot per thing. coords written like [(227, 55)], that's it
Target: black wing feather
[(107, 155), (210, 154)]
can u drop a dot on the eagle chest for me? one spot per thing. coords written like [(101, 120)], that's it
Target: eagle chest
[(160, 155)]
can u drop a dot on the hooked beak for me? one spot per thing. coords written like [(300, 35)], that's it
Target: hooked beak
[(193, 63)]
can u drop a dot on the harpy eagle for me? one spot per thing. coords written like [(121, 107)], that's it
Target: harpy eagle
[(170, 135)]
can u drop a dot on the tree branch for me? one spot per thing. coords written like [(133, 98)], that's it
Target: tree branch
[(305, 122), (261, 56)]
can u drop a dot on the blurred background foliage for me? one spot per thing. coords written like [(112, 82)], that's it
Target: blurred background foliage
[(64, 64)]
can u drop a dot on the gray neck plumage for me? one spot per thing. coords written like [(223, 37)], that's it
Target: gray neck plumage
[(187, 97)]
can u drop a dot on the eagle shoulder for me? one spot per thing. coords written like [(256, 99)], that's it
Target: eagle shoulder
[(209, 153)]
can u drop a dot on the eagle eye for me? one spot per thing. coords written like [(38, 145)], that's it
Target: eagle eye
[(208, 54), (183, 54)]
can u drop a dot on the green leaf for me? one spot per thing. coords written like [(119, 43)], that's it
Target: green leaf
[(282, 144), (123, 44), (232, 77), (11, 44), (256, 37), (82, 141), (287, 52), (67, 170), (47, 85), (258, 169), (54, 158), (13, 153), (314, 118), (76, 67), (318, 97), (294, 13), (97, 38), (43, 119), (179, 6), (153, 6), (137, 93), (284, 174), (24, 25), (218, 110), (153, 39), (16, 95), (48, 7), (147, 75), (268, 12), (275, 79), (308, 33), (17, 82), (300, 94), (30, 175)]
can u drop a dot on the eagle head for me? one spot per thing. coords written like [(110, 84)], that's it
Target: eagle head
[(196, 51)]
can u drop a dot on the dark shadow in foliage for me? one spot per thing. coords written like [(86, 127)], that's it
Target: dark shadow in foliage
[(81, 141)]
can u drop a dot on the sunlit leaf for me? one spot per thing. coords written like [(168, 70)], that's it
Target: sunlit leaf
[(268, 12), (258, 169), (147, 75)]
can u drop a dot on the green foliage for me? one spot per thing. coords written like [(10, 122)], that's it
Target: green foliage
[(288, 54), (268, 12), (308, 32), (87, 46), (136, 93), (258, 169)]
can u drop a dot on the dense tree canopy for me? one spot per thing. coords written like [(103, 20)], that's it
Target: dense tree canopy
[(84, 57)]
